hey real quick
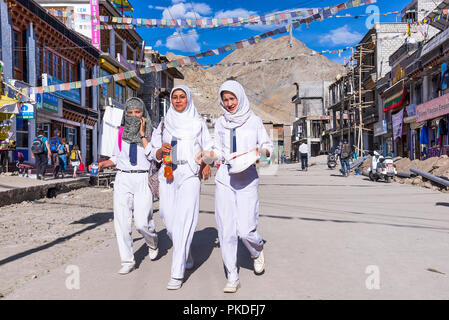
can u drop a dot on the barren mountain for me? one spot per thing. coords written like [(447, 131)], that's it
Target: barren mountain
[(269, 85)]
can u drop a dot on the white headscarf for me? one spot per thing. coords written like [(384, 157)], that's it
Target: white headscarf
[(186, 124), (243, 112)]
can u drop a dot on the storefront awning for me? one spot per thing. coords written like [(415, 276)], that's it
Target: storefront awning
[(8, 105)]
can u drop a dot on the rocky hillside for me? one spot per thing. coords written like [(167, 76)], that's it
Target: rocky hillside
[(269, 85)]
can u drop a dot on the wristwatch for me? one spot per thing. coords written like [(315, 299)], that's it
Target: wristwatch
[(141, 137)]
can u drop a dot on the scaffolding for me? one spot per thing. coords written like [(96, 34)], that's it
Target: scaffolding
[(358, 67)]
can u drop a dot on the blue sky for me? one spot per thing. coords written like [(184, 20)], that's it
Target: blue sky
[(330, 34)]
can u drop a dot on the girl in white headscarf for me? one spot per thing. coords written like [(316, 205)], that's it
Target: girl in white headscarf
[(238, 130), (132, 195), (183, 134)]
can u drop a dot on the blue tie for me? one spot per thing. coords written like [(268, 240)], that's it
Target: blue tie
[(133, 154), (233, 143)]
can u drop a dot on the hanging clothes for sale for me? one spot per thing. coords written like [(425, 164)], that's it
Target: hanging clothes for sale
[(424, 138)]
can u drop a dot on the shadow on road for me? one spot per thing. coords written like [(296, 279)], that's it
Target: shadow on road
[(203, 243), (164, 244), (97, 219)]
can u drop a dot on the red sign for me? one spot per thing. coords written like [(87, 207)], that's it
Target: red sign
[(433, 108)]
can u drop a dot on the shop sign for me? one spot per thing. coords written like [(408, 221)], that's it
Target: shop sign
[(73, 95), (411, 110), (47, 102), (433, 108), (26, 111), (95, 23), (380, 128)]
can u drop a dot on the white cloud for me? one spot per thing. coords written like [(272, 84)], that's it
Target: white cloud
[(341, 36), (234, 13), (186, 10), (187, 42), (158, 43), (156, 7)]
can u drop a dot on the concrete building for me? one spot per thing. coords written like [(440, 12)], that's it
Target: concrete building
[(354, 98), (34, 49), (120, 51), (311, 102)]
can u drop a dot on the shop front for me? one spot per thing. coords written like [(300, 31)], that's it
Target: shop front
[(434, 138)]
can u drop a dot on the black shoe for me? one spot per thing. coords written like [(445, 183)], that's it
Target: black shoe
[(38, 178)]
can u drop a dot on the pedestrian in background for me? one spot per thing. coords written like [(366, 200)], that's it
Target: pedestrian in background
[(345, 154), (40, 150), (63, 151), (55, 143), (75, 159), (304, 155)]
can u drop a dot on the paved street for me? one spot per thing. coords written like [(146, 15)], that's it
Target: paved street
[(325, 237)]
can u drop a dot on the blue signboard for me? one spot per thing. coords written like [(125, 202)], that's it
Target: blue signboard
[(73, 95), (26, 111), (47, 102)]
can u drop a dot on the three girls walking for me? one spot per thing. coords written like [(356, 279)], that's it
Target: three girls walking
[(183, 145)]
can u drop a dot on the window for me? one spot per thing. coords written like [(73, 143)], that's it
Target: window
[(18, 55), (104, 88), (22, 133), (119, 93), (56, 66), (47, 62), (38, 61), (72, 136), (64, 71)]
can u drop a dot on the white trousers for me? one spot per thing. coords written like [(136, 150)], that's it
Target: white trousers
[(132, 190), (179, 210), (237, 213)]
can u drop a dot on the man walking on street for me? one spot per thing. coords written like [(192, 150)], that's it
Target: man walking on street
[(41, 153), (345, 154), (55, 142), (304, 154)]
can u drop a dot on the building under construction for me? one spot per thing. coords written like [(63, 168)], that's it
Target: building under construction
[(354, 104)]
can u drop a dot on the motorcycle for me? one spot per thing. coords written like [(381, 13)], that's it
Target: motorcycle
[(332, 159), (382, 168)]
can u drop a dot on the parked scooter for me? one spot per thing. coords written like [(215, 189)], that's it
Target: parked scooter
[(332, 159), (382, 168)]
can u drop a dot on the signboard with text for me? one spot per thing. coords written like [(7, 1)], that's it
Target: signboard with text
[(95, 11), (47, 102), (433, 108), (73, 95)]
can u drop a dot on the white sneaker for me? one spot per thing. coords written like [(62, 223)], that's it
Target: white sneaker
[(190, 262), (126, 269), (153, 253), (174, 284), (259, 263), (231, 286)]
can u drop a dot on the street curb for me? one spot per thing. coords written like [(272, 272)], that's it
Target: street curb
[(37, 192)]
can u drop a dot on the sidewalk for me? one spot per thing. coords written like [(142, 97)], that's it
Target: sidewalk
[(15, 189)]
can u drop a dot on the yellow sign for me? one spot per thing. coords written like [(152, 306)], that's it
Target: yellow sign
[(399, 75)]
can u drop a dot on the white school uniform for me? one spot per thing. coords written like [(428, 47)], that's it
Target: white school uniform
[(179, 201), (131, 190), (236, 195)]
